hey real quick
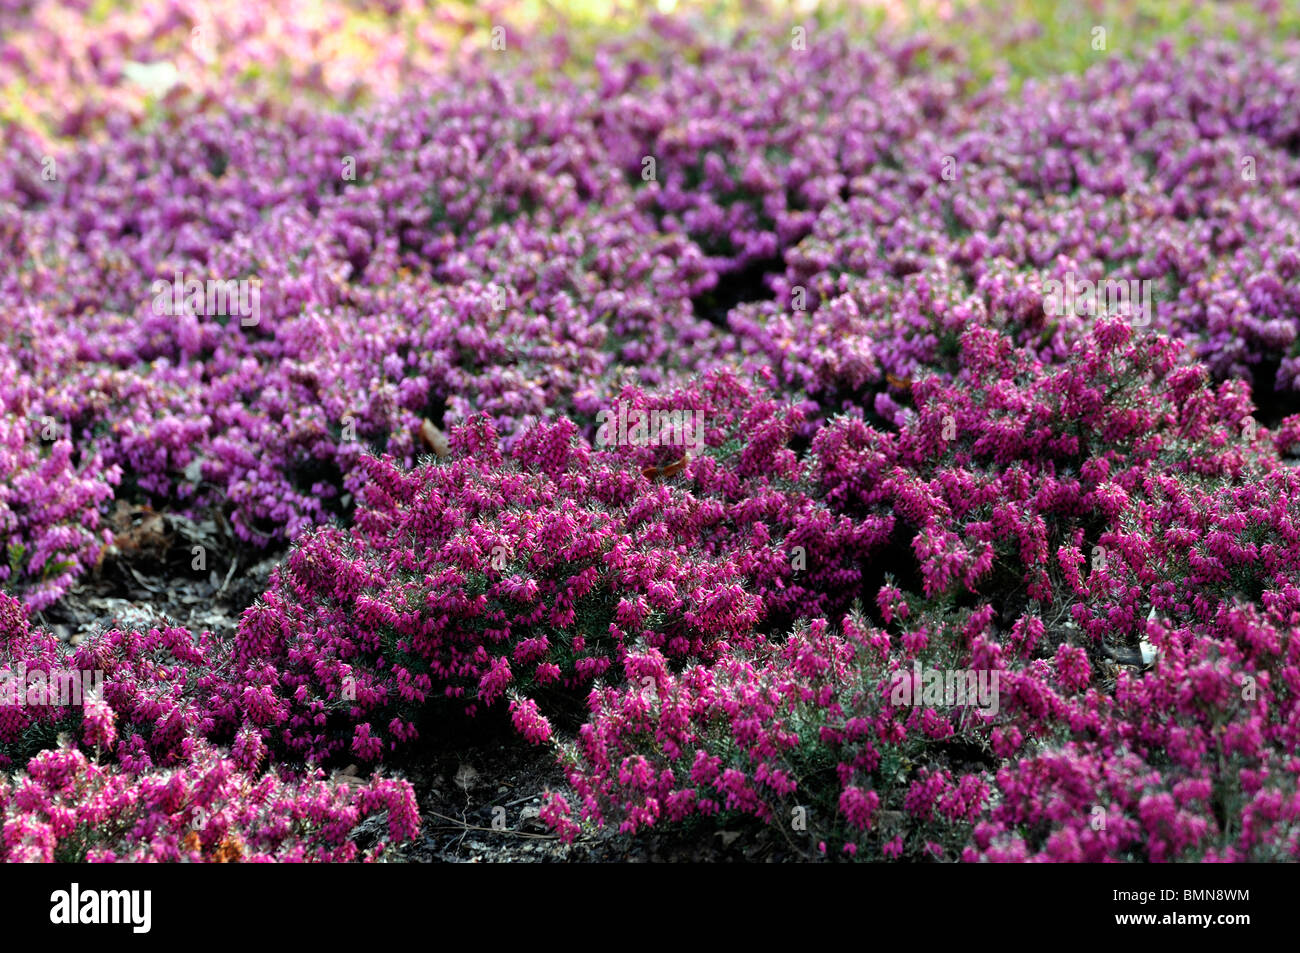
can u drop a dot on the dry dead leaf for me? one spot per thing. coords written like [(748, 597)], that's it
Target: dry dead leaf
[(434, 438), (671, 469), (138, 529), (230, 851)]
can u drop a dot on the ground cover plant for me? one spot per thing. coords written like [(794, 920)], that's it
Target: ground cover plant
[(817, 426)]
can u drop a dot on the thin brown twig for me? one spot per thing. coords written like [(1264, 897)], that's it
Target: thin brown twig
[(461, 825)]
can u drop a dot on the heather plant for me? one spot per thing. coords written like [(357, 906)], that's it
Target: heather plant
[(997, 468), (140, 698), (810, 736), (1187, 762), (1206, 738), (1192, 760), (759, 389), (1147, 169), (106, 759), (401, 303), (999, 481), (763, 151), (66, 808), (484, 244), (529, 570), (49, 504)]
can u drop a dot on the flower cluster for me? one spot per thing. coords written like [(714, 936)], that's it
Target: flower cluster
[(809, 736), (1005, 477), (489, 245), (64, 807), (893, 451), (140, 698), (1167, 173), (533, 568), (49, 503), (108, 759)]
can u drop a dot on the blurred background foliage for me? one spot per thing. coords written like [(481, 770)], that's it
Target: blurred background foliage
[(67, 64)]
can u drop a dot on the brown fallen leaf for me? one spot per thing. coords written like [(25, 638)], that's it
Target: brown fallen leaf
[(434, 438), (671, 469), (138, 529), (230, 851), (349, 776)]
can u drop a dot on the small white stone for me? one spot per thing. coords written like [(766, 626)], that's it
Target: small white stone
[(1149, 652)]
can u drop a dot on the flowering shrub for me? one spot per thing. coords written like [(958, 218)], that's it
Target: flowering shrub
[(1206, 739), (397, 306), (884, 445), (113, 765), (489, 245), (1192, 761), (49, 506), (531, 569), (1150, 169), (143, 698), (764, 150), (998, 468), (1196, 518), (804, 736), (67, 808)]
